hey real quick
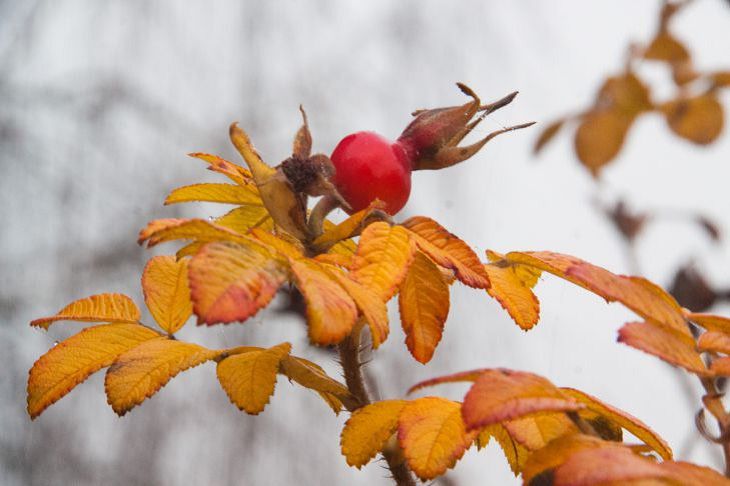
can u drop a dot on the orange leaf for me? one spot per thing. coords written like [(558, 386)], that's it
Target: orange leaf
[(72, 361), (544, 461), (718, 342), (638, 294), (448, 251), (163, 230), (628, 422), (511, 285), (547, 134), (97, 308), (500, 394), (721, 366), (711, 322), (233, 171), (423, 303), (625, 93), (369, 304), (664, 344), (249, 378), (599, 138), (347, 229), (666, 48), (699, 119), (230, 282), (432, 435), (382, 258), (368, 429), (721, 79), (515, 453), (286, 247), (468, 376), (140, 372), (331, 312), (535, 431), (217, 193), (166, 292)]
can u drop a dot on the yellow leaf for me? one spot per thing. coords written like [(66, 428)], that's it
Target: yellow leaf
[(536, 431), (628, 422), (140, 372), (217, 193), (70, 362), (312, 376), (600, 136), (331, 312), (432, 435), (233, 171), (230, 282), (243, 218), (200, 230), (448, 250), (287, 248), (347, 229), (664, 344), (285, 207), (711, 322), (511, 285), (249, 378), (166, 292), (97, 308), (423, 303), (501, 394), (368, 429), (699, 120), (515, 453), (382, 258)]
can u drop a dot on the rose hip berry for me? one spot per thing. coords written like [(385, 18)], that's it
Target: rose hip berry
[(368, 167)]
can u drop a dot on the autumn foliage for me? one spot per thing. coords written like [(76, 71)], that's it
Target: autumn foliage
[(233, 266)]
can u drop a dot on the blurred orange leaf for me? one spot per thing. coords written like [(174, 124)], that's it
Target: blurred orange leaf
[(718, 342), (331, 312), (599, 138), (167, 292), (699, 120), (217, 193), (382, 258), (448, 251), (72, 361), (664, 344), (423, 302), (511, 285), (231, 282), (666, 48), (96, 308), (140, 372), (249, 378), (547, 134), (368, 429), (626, 94), (625, 420), (432, 435)]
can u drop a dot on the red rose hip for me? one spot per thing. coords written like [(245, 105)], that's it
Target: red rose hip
[(368, 167)]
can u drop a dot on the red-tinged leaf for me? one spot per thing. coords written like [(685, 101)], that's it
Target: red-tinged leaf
[(432, 435), (249, 378), (331, 312), (542, 462), (233, 171), (216, 193), (515, 453), (599, 138), (664, 344), (721, 366), (230, 282), (625, 420), (347, 229), (511, 285), (423, 303), (547, 134), (714, 341), (200, 230), (699, 120), (638, 294), (692, 474), (368, 429), (463, 376), (448, 250), (370, 305), (72, 361), (140, 372), (536, 431), (382, 258), (287, 247), (500, 394), (167, 292), (711, 322), (97, 308)]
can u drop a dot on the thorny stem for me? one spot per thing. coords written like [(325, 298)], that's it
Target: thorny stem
[(349, 350)]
